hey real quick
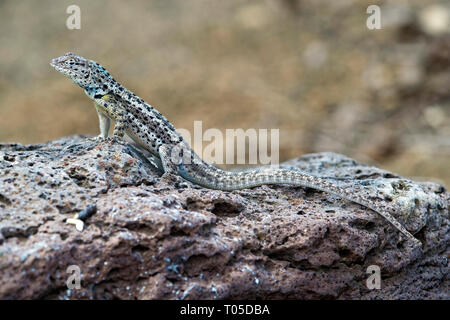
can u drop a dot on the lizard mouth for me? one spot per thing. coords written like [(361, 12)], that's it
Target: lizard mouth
[(55, 65), (59, 63), (69, 64)]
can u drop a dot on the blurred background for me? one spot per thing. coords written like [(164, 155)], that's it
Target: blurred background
[(310, 68)]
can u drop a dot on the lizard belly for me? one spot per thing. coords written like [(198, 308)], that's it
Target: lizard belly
[(133, 136)]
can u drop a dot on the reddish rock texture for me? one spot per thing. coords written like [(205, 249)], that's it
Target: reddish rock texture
[(158, 237)]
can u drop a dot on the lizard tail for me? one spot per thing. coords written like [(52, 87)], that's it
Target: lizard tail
[(229, 180)]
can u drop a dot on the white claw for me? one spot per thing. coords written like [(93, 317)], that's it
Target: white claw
[(79, 224)]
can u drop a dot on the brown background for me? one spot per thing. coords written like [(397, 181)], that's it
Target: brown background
[(310, 68)]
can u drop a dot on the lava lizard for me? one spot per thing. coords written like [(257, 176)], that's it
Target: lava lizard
[(152, 131)]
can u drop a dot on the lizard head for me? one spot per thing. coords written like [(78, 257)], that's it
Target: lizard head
[(76, 68), (82, 71)]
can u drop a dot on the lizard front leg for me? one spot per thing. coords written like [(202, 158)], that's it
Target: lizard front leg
[(103, 120), (111, 107)]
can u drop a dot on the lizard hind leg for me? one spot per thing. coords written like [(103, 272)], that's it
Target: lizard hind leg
[(165, 154)]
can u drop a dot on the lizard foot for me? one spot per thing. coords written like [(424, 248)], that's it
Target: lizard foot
[(99, 138)]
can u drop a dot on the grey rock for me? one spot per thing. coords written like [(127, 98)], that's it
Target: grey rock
[(156, 237)]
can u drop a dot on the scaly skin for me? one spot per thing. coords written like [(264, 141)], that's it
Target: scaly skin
[(145, 125)]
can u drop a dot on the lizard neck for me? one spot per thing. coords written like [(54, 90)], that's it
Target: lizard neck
[(95, 93)]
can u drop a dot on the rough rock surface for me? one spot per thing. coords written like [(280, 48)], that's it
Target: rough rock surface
[(158, 237)]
